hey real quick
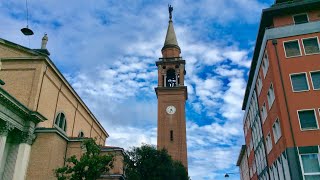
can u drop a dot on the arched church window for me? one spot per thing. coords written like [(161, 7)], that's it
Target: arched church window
[(81, 134), (61, 121), (171, 80)]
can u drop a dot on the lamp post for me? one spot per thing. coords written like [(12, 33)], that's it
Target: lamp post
[(2, 82), (227, 174)]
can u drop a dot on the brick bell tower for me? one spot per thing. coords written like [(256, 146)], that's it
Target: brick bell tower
[(172, 96)]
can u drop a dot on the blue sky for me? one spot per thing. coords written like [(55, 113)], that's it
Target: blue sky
[(107, 50)]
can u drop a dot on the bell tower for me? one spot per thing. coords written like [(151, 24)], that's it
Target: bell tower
[(172, 96)]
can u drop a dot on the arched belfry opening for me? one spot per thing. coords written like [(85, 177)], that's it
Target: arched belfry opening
[(171, 78)]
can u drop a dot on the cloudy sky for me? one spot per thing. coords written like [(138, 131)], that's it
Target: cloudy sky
[(107, 50)]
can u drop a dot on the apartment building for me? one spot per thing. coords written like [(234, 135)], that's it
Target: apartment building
[(281, 103), (243, 163)]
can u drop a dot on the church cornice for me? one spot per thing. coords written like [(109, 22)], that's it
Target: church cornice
[(21, 110)]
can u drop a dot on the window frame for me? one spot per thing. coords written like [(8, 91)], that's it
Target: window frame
[(267, 143), (301, 164), (81, 131), (300, 15), (274, 96), (315, 115), (259, 88), (284, 48), (64, 125), (275, 133), (271, 172), (304, 50), (263, 64), (306, 80), (266, 114), (312, 80)]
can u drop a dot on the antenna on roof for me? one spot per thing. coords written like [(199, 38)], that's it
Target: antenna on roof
[(26, 31)]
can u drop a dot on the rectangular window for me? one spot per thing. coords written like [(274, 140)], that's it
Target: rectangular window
[(171, 135), (276, 130), (259, 84), (311, 45), (275, 171), (264, 112), (310, 164), (315, 77), (270, 96), (265, 64), (245, 129), (280, 169), (300, 18), (271, 173), (285, 166), (292, 48), (307, 119), (299, 82), (268, 143)]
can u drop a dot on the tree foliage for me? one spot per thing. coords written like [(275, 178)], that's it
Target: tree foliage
[(91, 165), (146, 162)]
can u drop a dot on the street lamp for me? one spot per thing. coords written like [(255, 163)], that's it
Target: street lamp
[(227, 174), (2, 83)]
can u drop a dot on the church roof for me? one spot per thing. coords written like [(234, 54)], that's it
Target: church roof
[(38, 52), (171, 39)]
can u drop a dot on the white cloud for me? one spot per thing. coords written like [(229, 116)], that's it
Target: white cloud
[(211, 150), (231, 109), (131, 136), (108, 51)]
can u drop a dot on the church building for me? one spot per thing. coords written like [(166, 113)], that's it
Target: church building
[(42, 118)]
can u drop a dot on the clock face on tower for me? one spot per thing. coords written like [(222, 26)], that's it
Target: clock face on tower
[(171, 109)]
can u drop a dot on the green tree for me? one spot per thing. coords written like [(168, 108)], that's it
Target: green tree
[(146, 162), (90, 166)]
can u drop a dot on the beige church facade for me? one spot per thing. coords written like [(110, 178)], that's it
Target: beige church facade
[(42, 118)]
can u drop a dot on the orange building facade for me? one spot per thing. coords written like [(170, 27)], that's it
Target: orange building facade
[(281, 103)]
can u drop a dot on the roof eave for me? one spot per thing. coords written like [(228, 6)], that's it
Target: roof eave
[(265, 22), (49, 61)]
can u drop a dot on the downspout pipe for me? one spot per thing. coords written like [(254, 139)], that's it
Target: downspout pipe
[(274, 43)]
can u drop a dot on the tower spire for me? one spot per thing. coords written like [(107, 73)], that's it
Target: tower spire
[(172, 95), (170, 47)]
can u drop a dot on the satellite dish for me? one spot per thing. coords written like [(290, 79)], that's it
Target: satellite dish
[(26, 31)]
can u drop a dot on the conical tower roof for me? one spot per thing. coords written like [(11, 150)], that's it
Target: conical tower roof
[(171, 39), (170, 48)]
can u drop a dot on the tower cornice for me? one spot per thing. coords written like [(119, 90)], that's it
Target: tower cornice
[(172, 90), (169, 61)]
